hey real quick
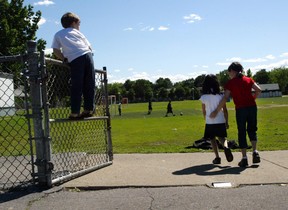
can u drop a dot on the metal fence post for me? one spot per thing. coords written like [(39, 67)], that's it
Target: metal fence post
[(109, 140), (36, 103)]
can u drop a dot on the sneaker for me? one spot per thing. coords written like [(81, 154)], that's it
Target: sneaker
[(75, 117), (217, 160), (256, 157), (86, 114), (243, 163), (228, 154)]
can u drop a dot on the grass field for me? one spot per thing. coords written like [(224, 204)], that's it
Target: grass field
[(137, 132)]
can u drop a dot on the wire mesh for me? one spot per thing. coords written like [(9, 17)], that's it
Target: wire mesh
[(76, 145), (15, 140)]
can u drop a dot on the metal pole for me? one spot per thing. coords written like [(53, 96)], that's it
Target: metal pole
[(46, 139), (36, 103), (110, 150)]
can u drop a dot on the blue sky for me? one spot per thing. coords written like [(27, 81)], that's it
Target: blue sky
[(175, 39)]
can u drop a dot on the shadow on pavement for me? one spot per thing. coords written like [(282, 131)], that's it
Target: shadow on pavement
[(207, 170), (17, 193)]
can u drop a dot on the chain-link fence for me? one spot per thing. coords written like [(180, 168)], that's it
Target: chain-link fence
[(16, 147), (38, 143)]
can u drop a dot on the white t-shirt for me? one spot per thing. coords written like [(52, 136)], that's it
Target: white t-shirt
[(72, 42), (211, 102)]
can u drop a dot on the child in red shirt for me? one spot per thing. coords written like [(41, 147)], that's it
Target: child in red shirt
[(240, 88)]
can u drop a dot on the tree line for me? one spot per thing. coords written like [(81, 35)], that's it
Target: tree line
[(163, 89)]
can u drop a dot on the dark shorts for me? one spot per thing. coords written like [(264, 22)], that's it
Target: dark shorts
[(215, 130)]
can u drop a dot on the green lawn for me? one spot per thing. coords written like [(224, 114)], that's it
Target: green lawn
[(137, 132)]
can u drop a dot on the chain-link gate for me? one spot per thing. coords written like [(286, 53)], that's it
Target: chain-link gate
[(82, 145), (38, 142)]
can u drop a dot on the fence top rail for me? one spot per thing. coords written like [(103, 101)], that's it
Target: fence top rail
[(11, 58), (60, 63), (85, 119)]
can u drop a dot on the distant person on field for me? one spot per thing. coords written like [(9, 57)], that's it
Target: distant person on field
[(215, 127), (120, 109), (71, 46), (169, 109), (149, 107), (240, 88)]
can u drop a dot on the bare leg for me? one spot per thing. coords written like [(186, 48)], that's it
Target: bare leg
[(227, 150), (254, 145), (224, 142), (215, 147), (244, 154)]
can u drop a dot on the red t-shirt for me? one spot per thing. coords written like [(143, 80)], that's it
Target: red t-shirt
[(241, 91)]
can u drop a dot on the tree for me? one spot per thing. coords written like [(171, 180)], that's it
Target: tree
[(114, 88), (261, 77), (280, 76), (162, 93), (199, 80), (143, 89), (179, 92), (223, 77), (165, 83), (18, 24), (249, 73)]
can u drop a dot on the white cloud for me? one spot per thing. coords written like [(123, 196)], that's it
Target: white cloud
[(163, 28), (117, 70), (131, 69), (234, 59), (192, 18), (128, 29), (44, 2), (284, 55), (141, 75), (254, 60), (42, 21), (48, 51), (282, 63), (222, 64), (270, 57), (147, 28), (249, 60)]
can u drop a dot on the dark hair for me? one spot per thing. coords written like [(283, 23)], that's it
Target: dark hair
[(211, 85), (69, 18), (236, 66)]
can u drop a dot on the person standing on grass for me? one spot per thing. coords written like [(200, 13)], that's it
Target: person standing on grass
[(169, 109), (240, 88), (215, 127), (149, 107), (71, 46), (120, 108)]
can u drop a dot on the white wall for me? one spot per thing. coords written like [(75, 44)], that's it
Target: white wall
[(7, 104)]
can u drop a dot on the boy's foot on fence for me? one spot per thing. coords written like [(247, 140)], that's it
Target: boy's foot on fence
[(75, 117), (86, 114)]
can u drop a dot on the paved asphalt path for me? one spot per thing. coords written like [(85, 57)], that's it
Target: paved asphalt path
[(195, 197)]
